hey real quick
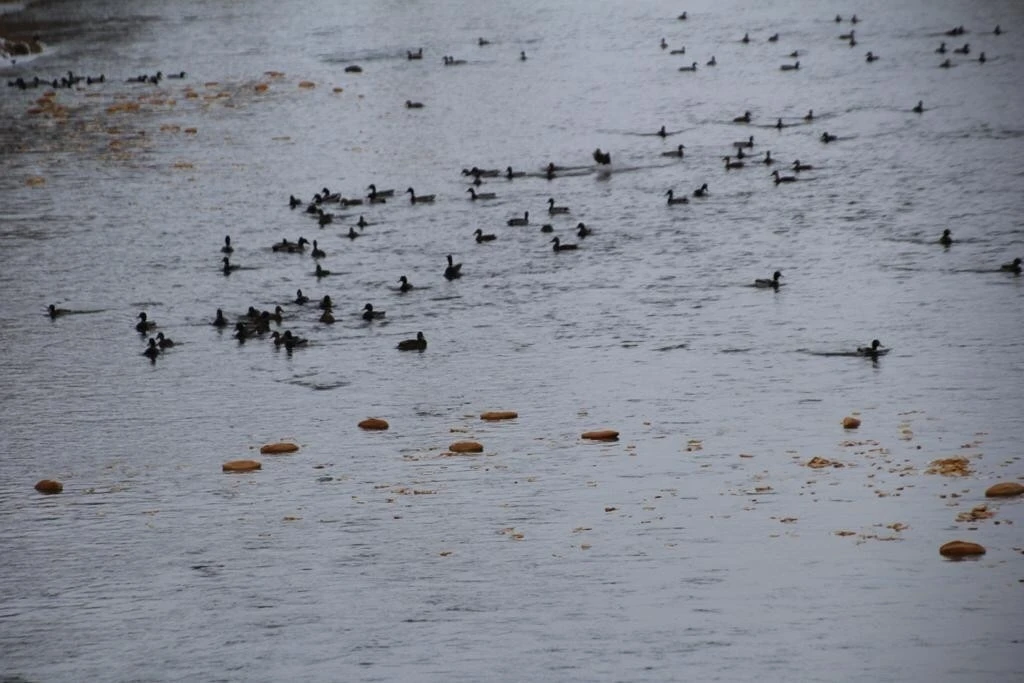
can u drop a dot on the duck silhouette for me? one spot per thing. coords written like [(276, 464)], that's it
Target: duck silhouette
[(454, 270), (417, 344)]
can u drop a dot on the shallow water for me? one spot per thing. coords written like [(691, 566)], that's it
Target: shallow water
[(371, 556)]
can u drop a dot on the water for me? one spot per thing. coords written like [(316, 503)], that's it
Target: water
[(660, 557)]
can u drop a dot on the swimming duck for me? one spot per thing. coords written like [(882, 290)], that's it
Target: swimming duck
[(749, 142), (552, 209), (55, 312), (474, 195), (662, 132), (374, 192), (323, 218), (180, 74), (873, 351), (352, 234), (325, 303), (327, 318), (682, 17), (790, 67), (701, 191), (672, 199), (997, 30), (783, 178), (870, 57), (774, 38), (558, 246), (981, 58), (522, 55), (510, 174), (361, 222), (583, 231), (827, 137), (370, 314), (779, 125), (739, 153), (664, 45), (320, 272), (600, 157), (947, 238), (242, 332), (797, 166), (732, 164), (1013, 267), (680, 51), (854, 19), (152, 351), (300, 298), (809, 116), (405, 285), (326, 196), (414, 55), (417, 344), (347, 202), (773, 283), (919, 108), (220, 321), (525, 220), (768, 161), (692, 67), (163, 342), (317, 251), (481, 237), (227, 248), (422, 199), (409, 104), (745, 38), (277, 338), (946, 65), (712, 61), (454, 270), (941, 50), (847, 36), (228, 267), (965, 50), (677, 152), (482, 41), (291, 341), (451, 61)]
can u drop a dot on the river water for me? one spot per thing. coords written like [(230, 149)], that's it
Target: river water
[(697, 547)]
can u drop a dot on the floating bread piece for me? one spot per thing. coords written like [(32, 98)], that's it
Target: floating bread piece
[(374, 423), (281, 447), (1004, 489), (602, 435), (961, 549), (850, 422), (241, 465), (466, 447), (499, 415), (49, 486)]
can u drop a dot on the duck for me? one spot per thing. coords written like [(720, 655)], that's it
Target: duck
[(740, 154), (522, 55), (783, 178), (583, 231), (919, 108), (405, 285), (664, 45), (712, 61), (790, 67), (745, 38), (773, 38), (291, 341), (242, 332), (847, 36), (779, 124), (997, 31), (55, 312), (672, 199), (600, 157), (873, 351), (417, 344), (662, 132), (370, 314), (163, 342), (773, 282), (227, 248), (451, 61), (228, 267), (323, 218), (552, 209), (510, 174), (692, 67), (809, 116), (481, 237), (965, 50), (946, 64), (361, 222), (677, 152), (768, 161), (680, 51), (477, 172), (422, 199), (839, 19), (482, 42), (327, 318), (981, 58), (525, 220), (558, 246), (152, 351), (870, 57), (826, 137), (732, 164), (277, 338), (352, 234), (474, 195), (749, 142), (347, 202), (321, 272), (219, 320), (300, 298), (682, 17), (374, 192), (414, 55), (1012, 267), (454, 270), (797, 166), (854, 19), (947, 238), (317, 251), (277, 315), (325, 303), (409, 104), (701, 191), (327, 197)]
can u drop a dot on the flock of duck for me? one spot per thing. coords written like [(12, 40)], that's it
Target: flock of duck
[(257, 323)]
